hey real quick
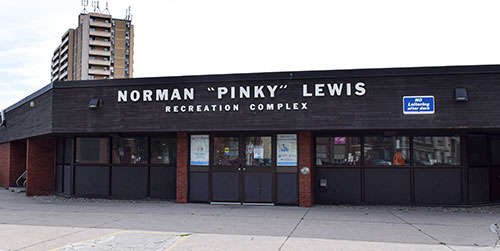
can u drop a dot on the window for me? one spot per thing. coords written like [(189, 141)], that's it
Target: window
[(105, 68), (92, 38), (92, 29), (92, 48), (258, 151), (226, 151), (106, 49), (106, 40), (436, 150), (386, 150), (91, 67), (91, 77), (199, 150), (106, 58), (163, 151), (106, 21), (106, 30), (92, 150), (92, 19), (286, 150), (338, 150), (91, 57), (130, 150)]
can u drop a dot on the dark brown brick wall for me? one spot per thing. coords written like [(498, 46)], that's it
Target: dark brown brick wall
[(182, 167), (40, 166), (4, 164), (306, 159), (18, 161)]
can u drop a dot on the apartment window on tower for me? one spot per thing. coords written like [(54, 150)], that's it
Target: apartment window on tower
[(91, 77), (92, 29)]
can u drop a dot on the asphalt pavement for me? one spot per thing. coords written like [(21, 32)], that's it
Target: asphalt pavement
[(60, 223)]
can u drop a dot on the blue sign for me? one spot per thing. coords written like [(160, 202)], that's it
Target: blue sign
[(418, 105)]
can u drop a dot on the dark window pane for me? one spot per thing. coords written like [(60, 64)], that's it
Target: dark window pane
[(163, 151), (495, 150), (68, 150), (258, 151), (477, 148), (226, 151), (60, 150), (92, 150), (436, 150), (130, 150), (381, 150), (338, 151)]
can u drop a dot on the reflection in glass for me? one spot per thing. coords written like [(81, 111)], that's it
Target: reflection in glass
[(130, 150), (338, 150), (436, 150), (258, 151), (381, 150), (92, 150), (163, 150), (226, 151)]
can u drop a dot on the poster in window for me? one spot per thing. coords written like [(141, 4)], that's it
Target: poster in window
[(287, 149), (258, 152), (199, 150)]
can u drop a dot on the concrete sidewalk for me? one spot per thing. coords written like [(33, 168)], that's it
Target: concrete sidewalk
[(44, 223)]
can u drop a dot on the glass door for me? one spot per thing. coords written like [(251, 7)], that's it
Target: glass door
[(242, 169), (226, 180), (257, 170)]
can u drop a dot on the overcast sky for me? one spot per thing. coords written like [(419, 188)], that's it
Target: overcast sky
[(186, 37)]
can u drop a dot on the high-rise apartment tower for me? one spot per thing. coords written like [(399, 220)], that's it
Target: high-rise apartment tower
[(100, 47)]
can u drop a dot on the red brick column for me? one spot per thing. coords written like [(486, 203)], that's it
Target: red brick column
[(4, 164), (182, 167), (40, 158), (17, 161), (306, 159)]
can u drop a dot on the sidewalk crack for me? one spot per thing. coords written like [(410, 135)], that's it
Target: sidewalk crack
[(420, 230), (295, 228)]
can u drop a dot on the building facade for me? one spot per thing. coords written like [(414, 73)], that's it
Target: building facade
[(101, 47), (417, 136)]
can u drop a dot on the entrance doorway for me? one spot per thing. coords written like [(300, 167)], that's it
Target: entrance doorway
[(243, 169)]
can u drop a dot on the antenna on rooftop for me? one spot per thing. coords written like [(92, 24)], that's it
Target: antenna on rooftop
[(128, 14), (85, 3), (106, 11), (95, 4)]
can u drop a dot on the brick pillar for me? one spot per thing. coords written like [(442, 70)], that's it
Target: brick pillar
[(40, 158), (306, 159), (17, 161), (182, 167), (4, 164)]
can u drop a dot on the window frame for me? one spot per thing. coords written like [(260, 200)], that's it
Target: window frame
[(90, 163), (410, 135), (360, 163)]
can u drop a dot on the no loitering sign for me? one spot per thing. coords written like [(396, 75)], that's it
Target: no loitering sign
[(418, 105)]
